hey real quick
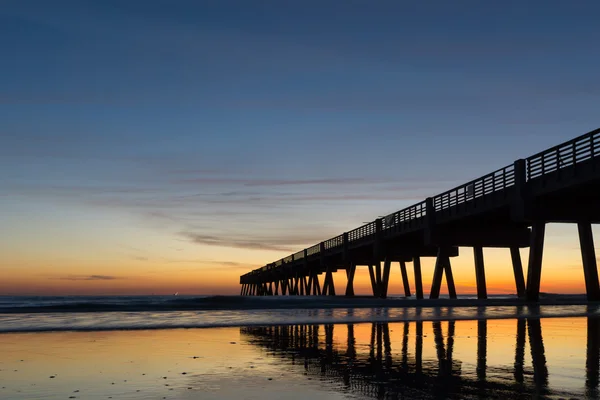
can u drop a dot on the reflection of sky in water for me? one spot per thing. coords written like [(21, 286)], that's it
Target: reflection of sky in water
[(191, 319), (554, 356)]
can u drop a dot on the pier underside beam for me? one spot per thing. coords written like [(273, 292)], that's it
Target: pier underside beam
[(501, 236)]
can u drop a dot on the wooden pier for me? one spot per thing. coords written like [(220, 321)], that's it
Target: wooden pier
[(508, 208)]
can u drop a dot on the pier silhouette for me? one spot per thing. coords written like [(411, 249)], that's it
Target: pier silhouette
[(508, 208)]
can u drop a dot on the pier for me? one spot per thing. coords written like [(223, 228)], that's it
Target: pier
[(508, 208)]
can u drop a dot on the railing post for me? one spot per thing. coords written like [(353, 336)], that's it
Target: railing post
[(518, 209), (429, 221), (378, 247), (346, 254)]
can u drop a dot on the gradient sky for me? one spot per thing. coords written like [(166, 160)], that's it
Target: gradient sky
[(160, 146)]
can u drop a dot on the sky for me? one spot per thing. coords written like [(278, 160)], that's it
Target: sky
[(171, 146)]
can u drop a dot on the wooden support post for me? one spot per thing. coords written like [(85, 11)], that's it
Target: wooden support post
[(449, 278), (480, 272), (442, 264), (325, 288), (294, 283), (418, 277), (301, 285), (309, 285), (304, 285), (588, 255), (378, 277), (270, 291), (350, 275), (317, 285), (518, 270), (385, 278), (534, 270), (373, 281), (405, 278), (331, 286), (438, 271), (283, 287)]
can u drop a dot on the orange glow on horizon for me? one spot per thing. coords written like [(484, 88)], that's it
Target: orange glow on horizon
[(198, 270)]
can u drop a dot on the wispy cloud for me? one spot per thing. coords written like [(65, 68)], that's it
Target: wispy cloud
[(286, 244), (283, 182), (89, 278)]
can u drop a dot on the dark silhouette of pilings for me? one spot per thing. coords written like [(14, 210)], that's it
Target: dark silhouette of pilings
[(442, 265), (379, 374)]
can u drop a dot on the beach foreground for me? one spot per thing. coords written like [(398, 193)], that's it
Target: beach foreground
[(503, 358)]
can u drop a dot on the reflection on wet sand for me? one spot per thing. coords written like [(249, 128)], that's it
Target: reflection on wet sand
[(380, 370), (592, 364)]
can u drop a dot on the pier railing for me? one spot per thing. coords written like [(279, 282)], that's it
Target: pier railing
[(564, 155), (487, 184), (572, 152)]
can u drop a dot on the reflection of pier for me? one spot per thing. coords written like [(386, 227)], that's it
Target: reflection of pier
[(382, 373)]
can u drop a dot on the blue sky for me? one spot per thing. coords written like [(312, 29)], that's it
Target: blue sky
[(270, 125)]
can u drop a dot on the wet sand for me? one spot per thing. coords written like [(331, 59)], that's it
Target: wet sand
[(551, 358)]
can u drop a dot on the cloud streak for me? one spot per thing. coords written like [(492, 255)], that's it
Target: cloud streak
[(283, 244), (89, 278)]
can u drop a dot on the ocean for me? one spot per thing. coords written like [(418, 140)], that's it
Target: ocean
[(90, 313)]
